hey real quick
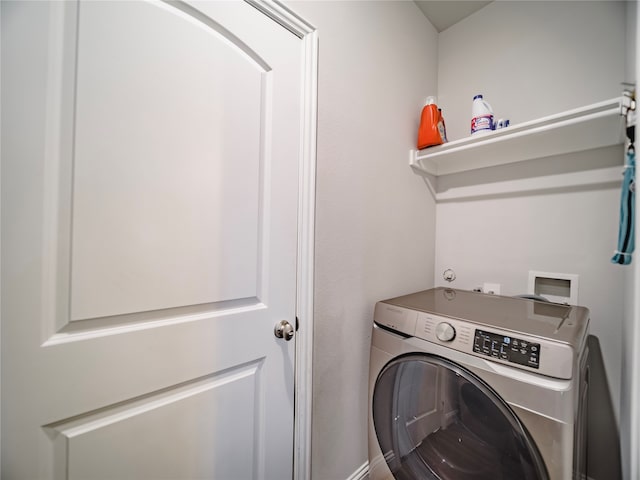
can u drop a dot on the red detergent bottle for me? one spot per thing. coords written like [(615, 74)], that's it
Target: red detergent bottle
[(432, 130)]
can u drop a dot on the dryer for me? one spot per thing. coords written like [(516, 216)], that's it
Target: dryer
[(468, 386)]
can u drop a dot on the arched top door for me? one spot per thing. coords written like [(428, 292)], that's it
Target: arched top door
[(160, 159), (436, 420)]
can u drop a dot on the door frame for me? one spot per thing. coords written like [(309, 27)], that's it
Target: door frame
[(303, 385)]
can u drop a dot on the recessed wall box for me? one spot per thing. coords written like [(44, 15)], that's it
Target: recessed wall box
[(555, 287)]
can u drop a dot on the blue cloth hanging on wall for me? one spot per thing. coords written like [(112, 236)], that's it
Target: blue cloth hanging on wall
[(626, 234)]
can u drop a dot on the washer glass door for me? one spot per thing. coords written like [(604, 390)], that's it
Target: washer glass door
[(436, 420)]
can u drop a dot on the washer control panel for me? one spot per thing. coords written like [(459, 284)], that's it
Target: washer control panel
[(511, 349)]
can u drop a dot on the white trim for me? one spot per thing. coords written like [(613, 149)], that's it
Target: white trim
[(634, 387), (633, 446), (284, 16), (306, 233), (362, 473), (634, 420), (306, 253)]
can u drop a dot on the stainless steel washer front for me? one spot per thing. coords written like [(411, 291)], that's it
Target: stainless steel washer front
[(449, 401)]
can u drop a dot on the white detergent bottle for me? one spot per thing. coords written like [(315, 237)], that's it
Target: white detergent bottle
[(481, 116)]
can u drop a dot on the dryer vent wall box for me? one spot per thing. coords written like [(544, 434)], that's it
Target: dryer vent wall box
[(555, 287)]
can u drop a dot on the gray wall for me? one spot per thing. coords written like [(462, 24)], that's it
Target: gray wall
[(377, 234), (531, 59), (375, 218), (545, 57)]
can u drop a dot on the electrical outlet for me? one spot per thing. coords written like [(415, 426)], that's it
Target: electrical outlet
[(491, 288)]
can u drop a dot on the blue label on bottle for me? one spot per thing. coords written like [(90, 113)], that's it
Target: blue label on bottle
[(482, 123)]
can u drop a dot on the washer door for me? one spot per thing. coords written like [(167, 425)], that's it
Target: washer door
[(436, 420)]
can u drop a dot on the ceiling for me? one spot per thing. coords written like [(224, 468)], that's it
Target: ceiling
[(442, 14)]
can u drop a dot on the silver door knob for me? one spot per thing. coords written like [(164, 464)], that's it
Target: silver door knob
[(284, 329)]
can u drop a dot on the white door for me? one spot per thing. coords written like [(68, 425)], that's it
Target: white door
[(149, 224)]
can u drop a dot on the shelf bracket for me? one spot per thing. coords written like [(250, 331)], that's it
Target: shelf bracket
[(628, 102), (429, 178), (628, 111), (422, 165)]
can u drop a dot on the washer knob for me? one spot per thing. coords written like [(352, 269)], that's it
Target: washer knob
[(445, 332)]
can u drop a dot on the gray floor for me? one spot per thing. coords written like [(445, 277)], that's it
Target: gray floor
[(603, 438)]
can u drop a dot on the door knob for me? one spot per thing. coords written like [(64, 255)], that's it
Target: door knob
[(284, 329)]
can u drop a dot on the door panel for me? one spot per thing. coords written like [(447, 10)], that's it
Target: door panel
[(178, 416), (187, 107), (149, 229)]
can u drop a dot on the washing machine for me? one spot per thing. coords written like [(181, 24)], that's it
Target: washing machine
[(469, 386)]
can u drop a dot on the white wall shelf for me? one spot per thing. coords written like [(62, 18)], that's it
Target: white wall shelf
[(585, 128)]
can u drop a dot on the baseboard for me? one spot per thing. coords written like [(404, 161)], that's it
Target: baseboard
[(362, 473)]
